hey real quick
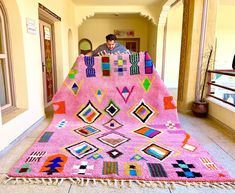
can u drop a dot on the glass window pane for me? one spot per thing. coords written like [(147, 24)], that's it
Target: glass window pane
[(1, 36), (226, 81), (3, 96)]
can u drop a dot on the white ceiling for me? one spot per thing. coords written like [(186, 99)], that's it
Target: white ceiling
[(133, 2), (115, 2)]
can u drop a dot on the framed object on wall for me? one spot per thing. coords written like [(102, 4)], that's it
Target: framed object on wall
[(84, 46), (132, 44)]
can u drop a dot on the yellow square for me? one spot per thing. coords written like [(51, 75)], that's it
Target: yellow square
[(120, 62)]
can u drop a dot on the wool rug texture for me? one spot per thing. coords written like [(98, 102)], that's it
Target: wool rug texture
[(115, 122)]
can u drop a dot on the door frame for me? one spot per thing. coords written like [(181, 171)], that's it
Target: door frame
[(54, 67), (125, 40)]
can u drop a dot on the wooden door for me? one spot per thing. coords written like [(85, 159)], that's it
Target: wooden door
[(48, 65)]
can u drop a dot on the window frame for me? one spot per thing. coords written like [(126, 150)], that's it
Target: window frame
[(6, 62)]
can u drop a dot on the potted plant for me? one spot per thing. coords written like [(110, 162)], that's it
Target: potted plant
[(200, 106)]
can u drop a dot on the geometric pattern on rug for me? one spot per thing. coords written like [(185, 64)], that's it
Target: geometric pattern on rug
[(132, 169), (114, 153), (113, 139), (110, 168), (81, 149), (117, 126), (87, 130), (147, 132), (112, 124), (125, 93), (156, 170), (142, 112), (120, 66), (89, 113), (156, 151), (186, 170), (54, 164), (112, 109), (83, 168)]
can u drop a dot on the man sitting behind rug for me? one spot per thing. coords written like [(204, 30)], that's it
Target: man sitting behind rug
[(110, 47)]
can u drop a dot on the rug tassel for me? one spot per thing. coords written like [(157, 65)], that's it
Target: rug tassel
[(61, 181), (94, 182), (55, 181), (130, 183), (48, 181), (102, 182), (115, 185), (72, 180), (121, 185), (8, 180), (172, 186), (5, 179), (82, 182), (109, 183), (140, 183), (77, 180), (87, 182)]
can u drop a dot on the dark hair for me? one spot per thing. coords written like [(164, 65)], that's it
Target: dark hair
[(111, 37)]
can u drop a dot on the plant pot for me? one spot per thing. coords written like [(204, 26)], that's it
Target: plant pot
[(200, 108)]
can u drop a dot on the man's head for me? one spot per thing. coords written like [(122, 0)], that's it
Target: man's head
[(111, 41)]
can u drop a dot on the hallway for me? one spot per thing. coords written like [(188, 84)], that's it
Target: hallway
[(215, 138)]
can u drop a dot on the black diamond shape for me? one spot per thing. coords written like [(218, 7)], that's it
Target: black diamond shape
[(114, 153), (112, 109)]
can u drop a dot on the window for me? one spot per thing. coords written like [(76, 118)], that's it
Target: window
[(6, 86)]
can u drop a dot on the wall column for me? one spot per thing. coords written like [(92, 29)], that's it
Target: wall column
[(190, 43), (192, 14)]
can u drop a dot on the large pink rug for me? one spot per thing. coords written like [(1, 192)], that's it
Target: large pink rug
[(115, 122)]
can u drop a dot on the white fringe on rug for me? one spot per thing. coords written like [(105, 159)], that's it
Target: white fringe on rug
[(4, 179)]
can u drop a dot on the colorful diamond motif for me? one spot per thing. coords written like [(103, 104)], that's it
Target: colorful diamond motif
[(87, 130), (24, 169), (142, 112), (81, 149), (95, 156), (113, 139), (137, 157), (112, 109), (89, 113), (146, 84), (75, 88), (148, 132), (114, 153), (125, 93), (156, 151), (113, 124)]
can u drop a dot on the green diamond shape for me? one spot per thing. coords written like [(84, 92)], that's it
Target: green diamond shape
[(146, 84)]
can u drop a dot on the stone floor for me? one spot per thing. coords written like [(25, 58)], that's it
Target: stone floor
[(218, 141)]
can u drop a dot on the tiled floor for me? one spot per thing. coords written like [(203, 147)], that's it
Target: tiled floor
[(219, 142)]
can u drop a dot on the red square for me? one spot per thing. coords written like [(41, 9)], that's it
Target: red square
[(148, 70), (106, 73), (105, 59)]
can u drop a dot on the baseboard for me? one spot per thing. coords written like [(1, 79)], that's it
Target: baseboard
[(230, 131), (21, 137)]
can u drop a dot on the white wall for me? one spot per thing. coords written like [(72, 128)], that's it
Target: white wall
[(95, 29), (173, 46), (26, 61), (225, 34)]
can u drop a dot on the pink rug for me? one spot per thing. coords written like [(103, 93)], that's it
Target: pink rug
[(115, 121)]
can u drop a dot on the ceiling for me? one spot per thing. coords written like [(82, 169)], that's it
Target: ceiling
[(133, 2), (115, 2), (117, 15)]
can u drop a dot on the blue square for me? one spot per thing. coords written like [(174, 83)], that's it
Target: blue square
[(189, 174), (120, 69), (105, 66)]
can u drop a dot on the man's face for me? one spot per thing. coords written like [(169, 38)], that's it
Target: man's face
[(110, 44)]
